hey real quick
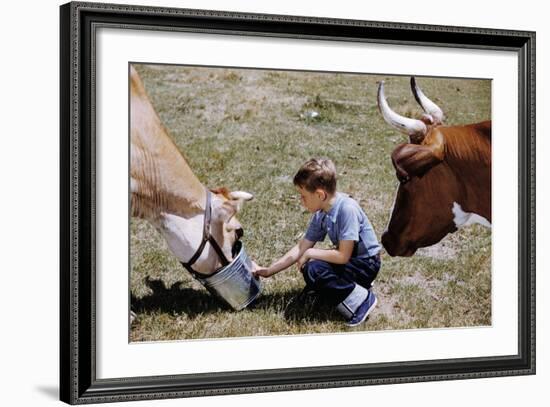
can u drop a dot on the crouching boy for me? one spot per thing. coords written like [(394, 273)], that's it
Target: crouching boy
[(341, 276)]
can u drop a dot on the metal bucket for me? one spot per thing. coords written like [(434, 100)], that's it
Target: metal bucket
[(234, 283)]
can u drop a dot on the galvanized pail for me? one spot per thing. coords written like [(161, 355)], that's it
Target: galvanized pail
[(234, 283)]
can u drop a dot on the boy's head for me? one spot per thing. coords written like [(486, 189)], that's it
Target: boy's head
[(316, 181)]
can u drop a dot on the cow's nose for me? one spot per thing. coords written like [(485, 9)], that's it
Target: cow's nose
[(388, 243), (396, 247), (239, 232)]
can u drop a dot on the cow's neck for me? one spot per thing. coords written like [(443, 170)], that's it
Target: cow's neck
[(461, 218), (161, 181), (474, 188), (468, 154), (161, 177)]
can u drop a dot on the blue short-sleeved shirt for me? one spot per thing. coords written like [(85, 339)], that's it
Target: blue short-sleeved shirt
[(345, 220)]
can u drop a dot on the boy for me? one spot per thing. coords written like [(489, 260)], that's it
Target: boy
[(341, 276)]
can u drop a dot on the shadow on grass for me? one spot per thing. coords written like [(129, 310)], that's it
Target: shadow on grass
[(297, 306), (176, 299)]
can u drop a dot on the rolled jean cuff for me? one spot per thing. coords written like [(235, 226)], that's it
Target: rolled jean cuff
[(350, 304)]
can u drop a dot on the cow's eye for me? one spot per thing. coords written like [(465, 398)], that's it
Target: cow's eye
[(404, 180)]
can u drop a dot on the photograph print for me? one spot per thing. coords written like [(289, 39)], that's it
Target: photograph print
[(275, 202)]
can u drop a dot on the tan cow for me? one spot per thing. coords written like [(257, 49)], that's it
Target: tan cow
[(165, 191), (444, 174)]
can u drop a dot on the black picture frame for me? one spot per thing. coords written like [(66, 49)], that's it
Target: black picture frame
[(78, 382)]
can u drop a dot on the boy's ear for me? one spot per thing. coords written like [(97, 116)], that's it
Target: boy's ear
[(322, 194)]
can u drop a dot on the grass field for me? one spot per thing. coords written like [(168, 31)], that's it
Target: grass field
[(251, 130)]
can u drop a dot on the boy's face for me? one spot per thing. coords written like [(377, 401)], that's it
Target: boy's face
[(312, 201)]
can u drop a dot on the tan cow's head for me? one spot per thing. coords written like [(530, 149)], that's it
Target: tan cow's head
[(226, 228), (184, 234)]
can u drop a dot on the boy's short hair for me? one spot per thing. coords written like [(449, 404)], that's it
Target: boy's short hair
[(317, 173)]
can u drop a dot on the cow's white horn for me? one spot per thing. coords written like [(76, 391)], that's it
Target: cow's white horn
[(427, 105), (241, 195), (410, 127)]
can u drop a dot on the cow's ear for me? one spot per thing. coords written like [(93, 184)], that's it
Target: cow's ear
[(414, 160), (227, 210), (241, 195), (230, 207)]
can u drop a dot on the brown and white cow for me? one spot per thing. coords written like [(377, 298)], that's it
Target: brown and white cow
[(165, 191), (444, 174)]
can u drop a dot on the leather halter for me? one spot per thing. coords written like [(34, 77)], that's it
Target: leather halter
[(206, 237)]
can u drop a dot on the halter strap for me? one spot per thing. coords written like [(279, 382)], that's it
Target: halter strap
[(206, 237)]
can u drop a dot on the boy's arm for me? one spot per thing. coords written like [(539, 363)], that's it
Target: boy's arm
[(291, 257), (349, 226), (334, 256)]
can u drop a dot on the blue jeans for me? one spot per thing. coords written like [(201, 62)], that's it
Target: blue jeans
[(334, 282)]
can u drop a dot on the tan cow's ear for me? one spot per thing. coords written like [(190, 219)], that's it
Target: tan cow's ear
[(238, 198), (231, 207), (241, 195), (227, 210)]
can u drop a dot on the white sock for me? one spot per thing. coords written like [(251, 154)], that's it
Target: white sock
[(350, 304)]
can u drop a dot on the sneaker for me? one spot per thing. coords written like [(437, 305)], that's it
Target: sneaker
[(363, 311)]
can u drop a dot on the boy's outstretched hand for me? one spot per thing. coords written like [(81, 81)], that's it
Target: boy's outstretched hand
[(260, 271)]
